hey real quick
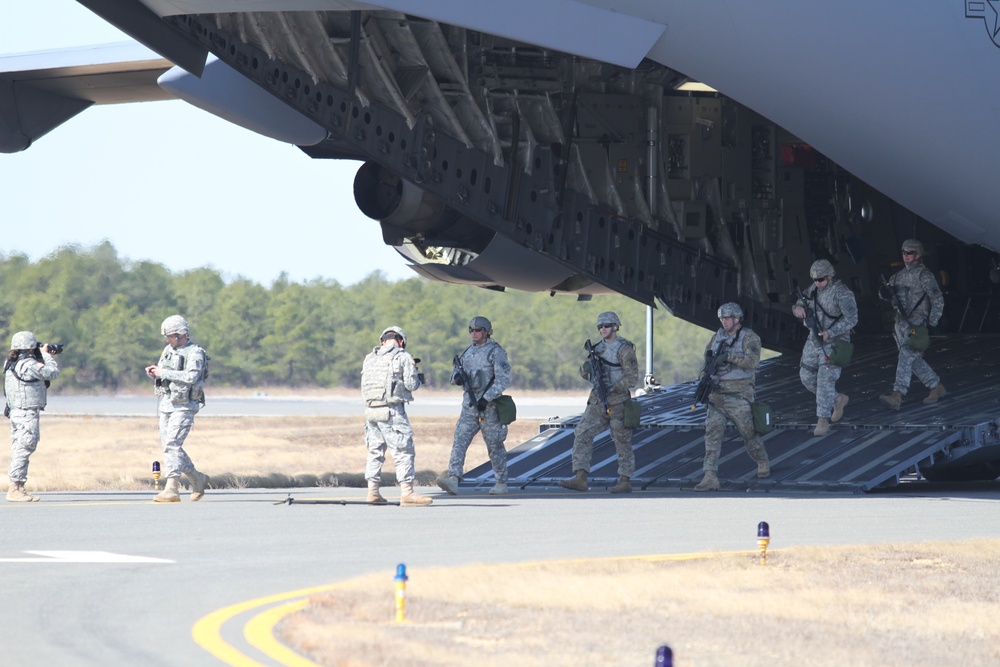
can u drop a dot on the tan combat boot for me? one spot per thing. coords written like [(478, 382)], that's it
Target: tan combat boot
[(577, 483), (198, 481), (893, 400), (449, 483), (408, 496), (374, 497), (710, 482), (499, 489), (17, 494), (623, 485), (838, 407), (763, 469), (171, 492), (936, 393), (822, 426)]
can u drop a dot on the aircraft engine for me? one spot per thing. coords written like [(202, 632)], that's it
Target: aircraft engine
[(442, 244)]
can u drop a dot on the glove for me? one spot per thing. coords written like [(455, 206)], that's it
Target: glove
[(481, 404), (587, 370), (421, 379), (885, 293), (722, 357), (457, 378), (708, 356)]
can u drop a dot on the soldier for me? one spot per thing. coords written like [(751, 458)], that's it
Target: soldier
[(27, 374), (180, 390), (389, 377), (836, 312), (918, 295), (736, 350), (620, 374), (483, 371)]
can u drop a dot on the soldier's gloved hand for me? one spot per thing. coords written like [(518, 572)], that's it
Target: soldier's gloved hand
[(722, 357), (481, 404), (708, 356), (420, 377), (586, 370), (885, 293), (457, 378)]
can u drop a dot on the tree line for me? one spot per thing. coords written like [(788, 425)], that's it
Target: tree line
[(312, 334)]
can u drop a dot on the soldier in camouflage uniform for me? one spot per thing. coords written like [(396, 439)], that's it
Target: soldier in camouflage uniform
[(180, 391), (484, 373), (620, 375), (918, 294), (389, 377), (27, 374), (836, 312), (736, 350)]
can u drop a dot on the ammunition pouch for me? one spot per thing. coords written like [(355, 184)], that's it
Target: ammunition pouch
[(763, 421), (506, 409), (378, 414), (632, 413), (841, 353), (919, 338)]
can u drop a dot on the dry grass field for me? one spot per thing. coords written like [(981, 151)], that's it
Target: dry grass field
[(78, 453), (912, 605)]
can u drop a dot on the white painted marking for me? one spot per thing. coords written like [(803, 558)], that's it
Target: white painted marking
[(83, 557)]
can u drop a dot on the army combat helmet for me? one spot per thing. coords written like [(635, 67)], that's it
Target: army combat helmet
[(730, 310), (175, 324), (400, 336), (23, 340), (821, 268), (480, 321), (915, 246), (609, 317)]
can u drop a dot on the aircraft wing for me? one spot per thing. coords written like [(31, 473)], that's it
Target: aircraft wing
[(553, 145)]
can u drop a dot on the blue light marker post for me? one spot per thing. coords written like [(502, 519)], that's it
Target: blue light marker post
[(664, 657), (763, 539), (400, 593), (156, 475)]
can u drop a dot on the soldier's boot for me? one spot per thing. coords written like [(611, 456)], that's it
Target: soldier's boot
[(408, 496), (171, 492), (499, 489), (577, 483), (763, 469), (822, 426), (893, 400), (17, 494), (624, 485), (198, 481), (936, 393), (449, 483), (710, 482), (838, 407), (374, 496)]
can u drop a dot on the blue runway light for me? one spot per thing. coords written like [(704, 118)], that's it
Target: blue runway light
[(664, 657), (763, 539)]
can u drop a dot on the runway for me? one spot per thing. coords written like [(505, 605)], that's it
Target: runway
[(113, 579)]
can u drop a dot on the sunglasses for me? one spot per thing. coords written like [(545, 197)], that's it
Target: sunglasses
[(820, 280), (476, 330), (604, 326), (909, 252)]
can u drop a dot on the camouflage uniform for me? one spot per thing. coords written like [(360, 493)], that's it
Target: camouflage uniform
[(731, 400), (620, 376), (388, 378), (26, 380), (487, 373), (180, 391), (836, 311), (920, 296)]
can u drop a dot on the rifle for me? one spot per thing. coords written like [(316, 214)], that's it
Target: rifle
[(811, 321), (893, 299), (457, 361), (597, 376), (706, 385)]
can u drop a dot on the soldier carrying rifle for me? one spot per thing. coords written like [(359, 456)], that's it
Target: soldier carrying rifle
[(731, 360), (829, 310)]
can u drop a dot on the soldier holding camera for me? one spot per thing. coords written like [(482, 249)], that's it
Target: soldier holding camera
[(29, 369), (180, 391)]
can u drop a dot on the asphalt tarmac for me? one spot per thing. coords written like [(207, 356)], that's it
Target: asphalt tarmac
[(114, 579)]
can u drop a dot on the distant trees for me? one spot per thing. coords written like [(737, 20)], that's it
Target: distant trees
[(304, 334)]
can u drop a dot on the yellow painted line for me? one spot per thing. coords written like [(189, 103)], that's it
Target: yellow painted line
[(207, 632), (259, 632)]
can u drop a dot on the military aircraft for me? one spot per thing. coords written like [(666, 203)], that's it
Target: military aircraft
[(683, 154)]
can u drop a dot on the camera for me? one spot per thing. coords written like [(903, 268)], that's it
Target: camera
[(54, 348)]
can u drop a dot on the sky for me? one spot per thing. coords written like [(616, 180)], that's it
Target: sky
[(169, 183)]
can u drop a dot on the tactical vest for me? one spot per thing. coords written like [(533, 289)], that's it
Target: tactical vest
[(24, 392), (609, 352), (478, 365), (182, 394), (382, 377), (734, 346)]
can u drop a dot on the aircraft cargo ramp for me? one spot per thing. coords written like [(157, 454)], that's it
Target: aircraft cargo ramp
[(872, 447)]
